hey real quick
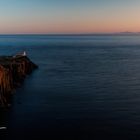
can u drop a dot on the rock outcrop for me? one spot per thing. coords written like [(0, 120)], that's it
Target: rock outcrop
[(13, 70)]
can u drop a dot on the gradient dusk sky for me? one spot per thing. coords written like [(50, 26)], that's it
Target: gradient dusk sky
[(69, 16)]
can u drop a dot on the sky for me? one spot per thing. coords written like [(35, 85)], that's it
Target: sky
[(69, 16)]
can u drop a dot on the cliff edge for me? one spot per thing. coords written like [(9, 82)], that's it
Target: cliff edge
[(13, 70)]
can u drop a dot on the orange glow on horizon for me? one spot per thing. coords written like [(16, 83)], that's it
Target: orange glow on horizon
[(116, 22)]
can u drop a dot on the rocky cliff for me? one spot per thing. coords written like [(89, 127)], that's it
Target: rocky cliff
[(13, 70)]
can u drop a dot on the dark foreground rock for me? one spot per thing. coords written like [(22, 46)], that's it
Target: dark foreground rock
[(13, 70)]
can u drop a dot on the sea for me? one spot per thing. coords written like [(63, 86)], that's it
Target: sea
[(87, 87)]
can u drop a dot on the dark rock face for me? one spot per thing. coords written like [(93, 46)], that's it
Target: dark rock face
[(13, 70)]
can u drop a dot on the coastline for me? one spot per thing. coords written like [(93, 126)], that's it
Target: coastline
[(13, 71)]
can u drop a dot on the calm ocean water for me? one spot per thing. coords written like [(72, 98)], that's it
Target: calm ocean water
[(86, 87)]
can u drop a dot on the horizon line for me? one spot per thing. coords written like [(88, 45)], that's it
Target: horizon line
[(96, 33)]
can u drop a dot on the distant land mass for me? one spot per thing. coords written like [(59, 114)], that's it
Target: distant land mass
[(127, 32)]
